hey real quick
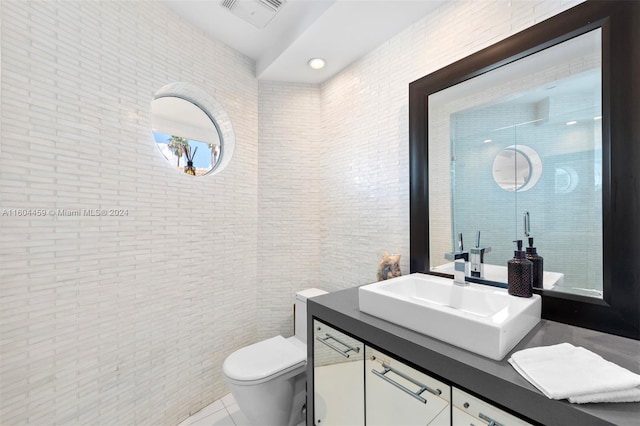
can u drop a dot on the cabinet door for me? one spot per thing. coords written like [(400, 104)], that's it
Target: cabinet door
[(471, 411), (399, 395), (338, 377)]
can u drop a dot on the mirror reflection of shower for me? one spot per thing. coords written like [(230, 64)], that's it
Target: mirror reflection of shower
[(527, 136)]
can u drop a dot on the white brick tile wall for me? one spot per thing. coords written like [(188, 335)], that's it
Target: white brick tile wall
[(288, 200), (122, 320)]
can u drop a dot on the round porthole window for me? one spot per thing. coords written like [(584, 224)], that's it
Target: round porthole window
[(191, 129)]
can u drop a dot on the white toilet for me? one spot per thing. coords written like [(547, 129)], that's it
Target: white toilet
[(268, 379)]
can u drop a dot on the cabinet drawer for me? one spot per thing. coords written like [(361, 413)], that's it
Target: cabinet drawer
[(469, 410), (397, 394)]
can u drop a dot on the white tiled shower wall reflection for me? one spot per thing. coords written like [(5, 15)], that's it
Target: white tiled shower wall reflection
[(560, 223), (127, 319)]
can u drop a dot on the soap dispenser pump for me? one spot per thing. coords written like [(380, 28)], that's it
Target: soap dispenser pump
[(520, 273), (538, 262)]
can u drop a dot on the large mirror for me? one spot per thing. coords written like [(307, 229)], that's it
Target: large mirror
[(496, 143), (537, 137)]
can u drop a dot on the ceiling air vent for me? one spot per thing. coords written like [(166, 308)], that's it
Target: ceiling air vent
[(256, 12)]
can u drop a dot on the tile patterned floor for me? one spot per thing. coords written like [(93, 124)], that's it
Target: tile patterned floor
[(223, 412)]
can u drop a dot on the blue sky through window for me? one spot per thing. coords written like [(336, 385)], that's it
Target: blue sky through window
[(202, 159)]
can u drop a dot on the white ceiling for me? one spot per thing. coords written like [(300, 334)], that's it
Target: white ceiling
[(340, 31)]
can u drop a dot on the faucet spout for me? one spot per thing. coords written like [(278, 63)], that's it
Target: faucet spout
[(460, 263), (460, 271), (476, 258)]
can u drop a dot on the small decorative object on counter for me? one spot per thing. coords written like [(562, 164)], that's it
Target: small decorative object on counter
[(520, 273), (389, 267), (538, 261)]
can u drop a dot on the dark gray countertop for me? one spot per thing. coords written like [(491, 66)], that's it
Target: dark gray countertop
[(496, 381)]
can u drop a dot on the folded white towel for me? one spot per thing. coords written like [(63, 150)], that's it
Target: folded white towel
[(565, 371), (628, 395)]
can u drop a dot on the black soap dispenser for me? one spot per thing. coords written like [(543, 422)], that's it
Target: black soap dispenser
[(537, 260), (520, 273)]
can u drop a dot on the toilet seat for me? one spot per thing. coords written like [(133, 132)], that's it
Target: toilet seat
[(263, 361)]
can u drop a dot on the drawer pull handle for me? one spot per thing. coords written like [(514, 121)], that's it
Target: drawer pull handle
[(416, 394), (490, 421), (343, 352)]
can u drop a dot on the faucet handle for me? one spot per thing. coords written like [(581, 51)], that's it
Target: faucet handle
[(486, 249), (478, 249)]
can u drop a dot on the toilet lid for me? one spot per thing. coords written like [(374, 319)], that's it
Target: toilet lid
[(263, 359)]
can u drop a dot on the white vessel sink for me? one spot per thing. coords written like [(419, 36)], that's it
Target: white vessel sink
[(481, 319)]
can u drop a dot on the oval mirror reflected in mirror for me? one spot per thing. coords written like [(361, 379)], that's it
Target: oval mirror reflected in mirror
[(566, 179), (517, 168), (191, 129)]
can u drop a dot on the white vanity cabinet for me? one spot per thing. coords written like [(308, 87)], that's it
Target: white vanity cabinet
[(397, 394), (355, 384), (470, 411), (338, 370)]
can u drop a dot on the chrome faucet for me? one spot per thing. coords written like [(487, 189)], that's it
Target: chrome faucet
[(460, 260), (476, 258)]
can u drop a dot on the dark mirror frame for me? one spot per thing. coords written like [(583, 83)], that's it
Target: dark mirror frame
[(618, 312)]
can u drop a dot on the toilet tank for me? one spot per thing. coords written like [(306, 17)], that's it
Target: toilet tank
[(300, 318)]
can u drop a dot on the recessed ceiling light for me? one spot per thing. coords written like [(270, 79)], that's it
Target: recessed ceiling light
[(486, 140), (599, 117), (316, 63), (571, 123)]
